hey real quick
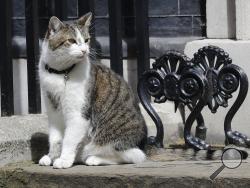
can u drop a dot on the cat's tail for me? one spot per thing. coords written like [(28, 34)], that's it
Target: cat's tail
[(93, 154), (133, 155)]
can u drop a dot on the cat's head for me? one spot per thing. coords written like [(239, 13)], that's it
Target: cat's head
[(66, 44)]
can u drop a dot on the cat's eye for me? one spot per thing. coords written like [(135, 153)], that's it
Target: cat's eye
[(72, 41), (86, 40)]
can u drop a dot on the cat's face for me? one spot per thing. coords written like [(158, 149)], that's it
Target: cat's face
[(66, 44)]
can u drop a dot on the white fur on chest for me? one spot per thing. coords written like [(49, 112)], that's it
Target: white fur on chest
[(72, 93)]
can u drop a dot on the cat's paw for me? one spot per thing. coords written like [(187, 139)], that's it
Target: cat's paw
[(45, 161), (93, 161), (62, 163)]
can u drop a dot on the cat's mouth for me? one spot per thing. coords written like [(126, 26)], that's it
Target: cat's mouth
[(81, 56)]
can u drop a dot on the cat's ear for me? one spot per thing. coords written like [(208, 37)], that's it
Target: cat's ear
[(55, 25), (85, 20)]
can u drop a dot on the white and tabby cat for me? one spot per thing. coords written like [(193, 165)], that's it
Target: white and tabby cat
[(92, 113)]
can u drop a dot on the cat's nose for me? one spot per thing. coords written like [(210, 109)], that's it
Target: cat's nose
[(83, 49)]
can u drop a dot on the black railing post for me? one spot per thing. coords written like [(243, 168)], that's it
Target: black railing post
[(58, 9), (85, 6), (115, 36), (7, 106), (142, 36), (32, 45)]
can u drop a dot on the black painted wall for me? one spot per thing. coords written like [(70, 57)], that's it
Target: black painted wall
[(167, 18)]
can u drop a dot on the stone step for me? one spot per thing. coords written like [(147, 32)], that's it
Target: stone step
[(168, 173)]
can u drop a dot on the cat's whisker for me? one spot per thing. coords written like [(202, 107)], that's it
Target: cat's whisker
[(91, 34), (93, 51), (92, 56), (91, 27), (95, 54)]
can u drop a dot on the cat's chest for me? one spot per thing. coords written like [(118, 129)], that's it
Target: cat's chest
[(52, 83), (70, 94)]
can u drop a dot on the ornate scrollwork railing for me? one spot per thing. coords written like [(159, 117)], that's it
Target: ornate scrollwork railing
[(209, 79)]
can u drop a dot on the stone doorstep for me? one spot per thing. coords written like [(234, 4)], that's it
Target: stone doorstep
[(164, 168), (17, 135), (170, 173)]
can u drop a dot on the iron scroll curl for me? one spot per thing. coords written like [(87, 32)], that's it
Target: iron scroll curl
[(230, 78), (194, 89), (151, 84)]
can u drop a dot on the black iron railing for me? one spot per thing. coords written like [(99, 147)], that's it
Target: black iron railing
[(208, 79), (32, 45), (7, 104), (59, 9)]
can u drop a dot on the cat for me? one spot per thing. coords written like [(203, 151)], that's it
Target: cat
[(93, 115)]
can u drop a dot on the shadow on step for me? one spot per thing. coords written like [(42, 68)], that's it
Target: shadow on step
[(39, 146)]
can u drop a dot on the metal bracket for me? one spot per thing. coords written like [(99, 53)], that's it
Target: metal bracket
[(209, 79)]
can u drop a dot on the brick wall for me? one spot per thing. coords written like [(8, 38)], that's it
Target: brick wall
[(167, 18), (177, 17)]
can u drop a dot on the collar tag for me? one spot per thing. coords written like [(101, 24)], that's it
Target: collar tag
[(66, 77)]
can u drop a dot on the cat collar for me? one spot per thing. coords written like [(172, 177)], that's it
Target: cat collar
[(65, 71)]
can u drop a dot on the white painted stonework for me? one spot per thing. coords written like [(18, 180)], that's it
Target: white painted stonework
[(242, 19), (220, 18), (172, 123), (239, 51)]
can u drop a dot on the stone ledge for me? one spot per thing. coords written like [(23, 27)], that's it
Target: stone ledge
[(22, 138), (164, 168), (22, 127), (148, 174)]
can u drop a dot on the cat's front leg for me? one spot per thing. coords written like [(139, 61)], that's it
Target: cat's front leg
[(76, 129), (56, 130)]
